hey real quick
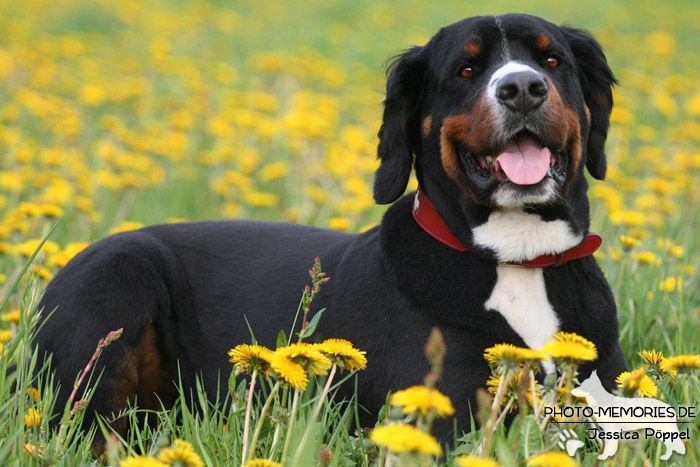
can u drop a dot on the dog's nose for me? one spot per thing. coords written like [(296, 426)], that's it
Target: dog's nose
[(522, 91)]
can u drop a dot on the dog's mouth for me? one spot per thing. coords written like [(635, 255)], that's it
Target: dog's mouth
[(524, 161)]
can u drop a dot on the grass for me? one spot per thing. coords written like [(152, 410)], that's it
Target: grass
[(117, 114)]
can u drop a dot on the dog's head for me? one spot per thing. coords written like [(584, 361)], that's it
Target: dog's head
[(501, 113)]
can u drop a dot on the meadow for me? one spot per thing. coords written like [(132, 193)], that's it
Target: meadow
[(115, 115)]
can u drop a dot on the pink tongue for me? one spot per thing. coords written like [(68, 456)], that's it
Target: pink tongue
[(525, 161)]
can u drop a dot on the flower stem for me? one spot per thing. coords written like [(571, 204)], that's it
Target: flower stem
[(292, 417), (258, 427), (249, 406), (553, 400), (317, 410), (275, 439), (111, 337), (490, 426), (535, 405)]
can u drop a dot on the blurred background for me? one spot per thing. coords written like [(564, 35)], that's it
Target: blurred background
[(115, 114)]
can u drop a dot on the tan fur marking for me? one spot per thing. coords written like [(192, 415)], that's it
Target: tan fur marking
[(543, 42), (140, 373), (472, 129), (427, 124), (472, 49), (588, 113), (574, 140), (555, 112), (568, 127), (150, 371)]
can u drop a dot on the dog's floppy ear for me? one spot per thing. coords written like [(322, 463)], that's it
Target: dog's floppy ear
[(400, 130), (597, 81)]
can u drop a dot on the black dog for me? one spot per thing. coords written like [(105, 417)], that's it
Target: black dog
[(499, 116)]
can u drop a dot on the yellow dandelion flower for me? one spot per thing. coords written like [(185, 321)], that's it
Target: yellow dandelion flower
[(646, 257), (629, 242), (30, 449), (33, 393), (630, 218), (260, 199), (570, 346), (637, 383), (308, 356), (289, 371), (422, 399), (251, 357), (661, 42), (51, 210), (668, 284), (681, 363), (42, 273), (126, 226), (405, 438), (28, 248), (273, 171), (472, 461), (510, 355), (342, 353), (5, 335), (513, 386), (676, 251), (142, 461), (11, 316), (652, 357), (339, 223), (32, 418), (552, 459), (180, 453), (261, 463)]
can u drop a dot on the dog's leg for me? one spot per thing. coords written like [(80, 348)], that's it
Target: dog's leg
[(122, 282)]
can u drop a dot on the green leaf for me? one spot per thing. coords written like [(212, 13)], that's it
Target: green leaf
[(281, 340), (313, 324), (530, 437), (504, 452), (232, 382)]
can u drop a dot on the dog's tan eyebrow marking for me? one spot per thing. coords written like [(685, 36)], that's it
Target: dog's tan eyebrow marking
[(472, 49), (427, 123), (543, 42)]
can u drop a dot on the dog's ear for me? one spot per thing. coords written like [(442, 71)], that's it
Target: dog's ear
[(400, 131), (597, 80)]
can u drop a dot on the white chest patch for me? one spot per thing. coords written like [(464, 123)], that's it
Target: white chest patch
[(515, 235), (520, 296)]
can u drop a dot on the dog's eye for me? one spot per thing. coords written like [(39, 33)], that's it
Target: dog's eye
[(467, 71), (552, 62)]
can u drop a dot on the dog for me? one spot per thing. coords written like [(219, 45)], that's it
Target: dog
[(498, 116), (613, 423)]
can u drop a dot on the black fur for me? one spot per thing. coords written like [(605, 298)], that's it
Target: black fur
[(400, 132), (183, 292), (597, 80)]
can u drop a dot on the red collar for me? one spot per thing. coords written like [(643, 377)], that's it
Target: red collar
[(428, 218)]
